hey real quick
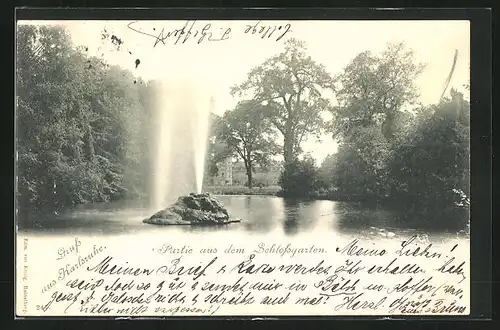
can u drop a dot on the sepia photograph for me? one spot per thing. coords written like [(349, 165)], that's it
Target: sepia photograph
[(256, 145)]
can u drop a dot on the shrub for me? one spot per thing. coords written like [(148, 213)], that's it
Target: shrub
[(299, 178)]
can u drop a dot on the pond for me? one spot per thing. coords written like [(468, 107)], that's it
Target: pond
[(259, 214)]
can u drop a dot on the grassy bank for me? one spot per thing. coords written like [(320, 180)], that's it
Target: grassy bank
[(242, 190)]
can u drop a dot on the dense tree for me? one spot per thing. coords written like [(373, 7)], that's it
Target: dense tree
[(299, 178), (326, 169), (391, 148), (79, 124), (218, 150), (53, 136), (248, 134), (376, 90), (374, 94), (431, 167), (360, 163), (292, 86)]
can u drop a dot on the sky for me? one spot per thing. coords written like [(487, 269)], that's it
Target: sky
[(212, 67)]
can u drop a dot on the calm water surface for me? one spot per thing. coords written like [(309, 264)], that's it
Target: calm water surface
[(259, 214)]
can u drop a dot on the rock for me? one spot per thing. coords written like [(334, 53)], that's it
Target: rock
[(194, 209)]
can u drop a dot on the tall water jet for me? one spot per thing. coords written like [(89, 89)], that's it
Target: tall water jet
[(181, 143), (183, 122)]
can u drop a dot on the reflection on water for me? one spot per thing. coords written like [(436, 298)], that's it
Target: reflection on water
[(259, 214), (291, 216), (300, 215)]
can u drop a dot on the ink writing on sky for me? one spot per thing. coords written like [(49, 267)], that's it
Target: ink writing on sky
[(193, 31)]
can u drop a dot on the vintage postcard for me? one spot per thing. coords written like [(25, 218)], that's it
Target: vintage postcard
[(242, 168)]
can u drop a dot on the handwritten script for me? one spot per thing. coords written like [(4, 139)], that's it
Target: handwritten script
[(192, 31), (351, 277)]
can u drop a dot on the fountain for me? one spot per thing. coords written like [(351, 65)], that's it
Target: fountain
[(182, 139)]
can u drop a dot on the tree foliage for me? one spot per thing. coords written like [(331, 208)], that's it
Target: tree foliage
[(218, 149), (248, 134), (82, 125), (292, 86), (390, 148), (360, 163), (376, 90), (299, 178), (433, 162)]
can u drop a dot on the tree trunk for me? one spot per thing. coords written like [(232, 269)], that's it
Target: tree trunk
[(249, 178), (388, 126), (288, 143), (249, 174)]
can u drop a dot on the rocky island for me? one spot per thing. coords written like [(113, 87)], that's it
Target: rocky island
[(193, 209)]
